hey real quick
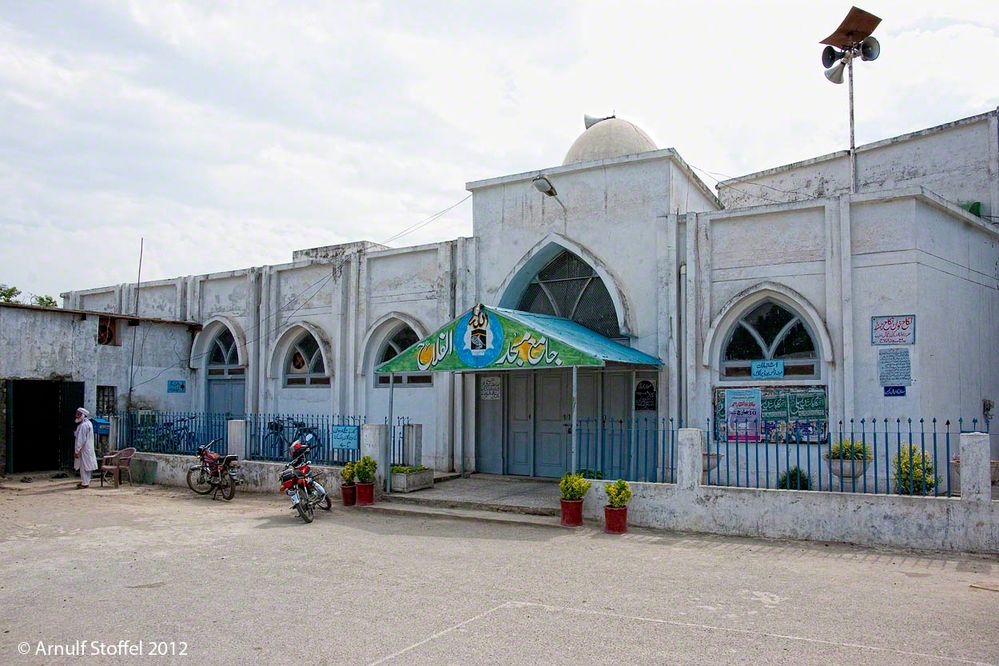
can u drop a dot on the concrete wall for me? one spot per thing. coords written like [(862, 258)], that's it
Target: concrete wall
[(957, 160), (56, 345), (970, 523)]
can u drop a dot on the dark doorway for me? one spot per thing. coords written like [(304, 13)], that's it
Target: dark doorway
[(40, 424)]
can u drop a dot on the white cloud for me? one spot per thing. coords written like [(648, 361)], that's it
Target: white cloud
[(231, 134)]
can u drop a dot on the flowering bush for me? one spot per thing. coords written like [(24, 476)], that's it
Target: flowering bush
[(365, 469), (347, 474), (573, 487), (912, 471), (618, 493)]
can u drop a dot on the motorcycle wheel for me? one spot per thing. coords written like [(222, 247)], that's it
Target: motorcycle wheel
[(227, 486), (326, 504), (198, 482), (305, 510)]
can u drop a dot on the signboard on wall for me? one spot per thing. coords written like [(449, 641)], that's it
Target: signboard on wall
[(894, 367), (743, 414), (345, 437), (645, 396), (490, 388), (894, 391), (768, 369), (176, 386), (893, 330), (787, 413)]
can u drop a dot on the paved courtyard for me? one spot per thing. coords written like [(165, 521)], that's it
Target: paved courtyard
[(247, 580)]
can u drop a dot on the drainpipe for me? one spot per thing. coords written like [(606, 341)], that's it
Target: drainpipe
[(681, 356)]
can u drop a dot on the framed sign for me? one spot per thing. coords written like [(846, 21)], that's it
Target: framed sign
[(176, 386), (345, 437), (743, 411), (893, 330), (645, 396), (894, 391), (768, 369), (894, 367)]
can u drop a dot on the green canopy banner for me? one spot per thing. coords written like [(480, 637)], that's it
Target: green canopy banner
[(499, 339)]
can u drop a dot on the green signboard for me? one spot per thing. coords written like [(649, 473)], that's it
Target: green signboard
[(787, 412), (484, 339)]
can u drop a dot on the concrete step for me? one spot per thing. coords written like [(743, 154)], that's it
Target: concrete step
[(441, 477), (479, 515), (414, 499)]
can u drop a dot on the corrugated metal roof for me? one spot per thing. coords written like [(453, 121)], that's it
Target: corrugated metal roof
[(582, 338)]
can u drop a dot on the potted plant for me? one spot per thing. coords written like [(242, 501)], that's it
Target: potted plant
[(407, 478), (573, 488), (914, 474), (616, 511), (348, 491), (365, 469), (848, 458)]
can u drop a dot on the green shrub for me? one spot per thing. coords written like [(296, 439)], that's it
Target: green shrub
[(795, 479), (347, 474), (365, 469), (573, 486), (910, 459), (618, 493), (408, 469), (591, 474), (848, 450)]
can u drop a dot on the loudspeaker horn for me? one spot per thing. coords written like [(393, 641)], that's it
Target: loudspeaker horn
[(590, 121), (835, 74), (870, 48), (830, 55)]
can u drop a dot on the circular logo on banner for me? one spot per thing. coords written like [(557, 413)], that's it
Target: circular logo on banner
[(478, 338)]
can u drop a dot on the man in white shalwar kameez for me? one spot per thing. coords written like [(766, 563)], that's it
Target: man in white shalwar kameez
[(84, 458)]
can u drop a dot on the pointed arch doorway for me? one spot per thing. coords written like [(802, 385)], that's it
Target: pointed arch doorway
[(226, 378)]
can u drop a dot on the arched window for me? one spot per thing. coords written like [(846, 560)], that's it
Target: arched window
[(223, 359), (305, 366), (568, 287), (402, 339), (770, 331)]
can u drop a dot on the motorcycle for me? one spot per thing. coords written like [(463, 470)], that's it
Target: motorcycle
[(214, 473), (299, 482)]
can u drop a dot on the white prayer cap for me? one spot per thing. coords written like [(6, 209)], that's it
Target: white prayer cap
[(83, 411)]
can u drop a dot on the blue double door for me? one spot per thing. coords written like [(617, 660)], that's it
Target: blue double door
[(539, 420), (226, 396)]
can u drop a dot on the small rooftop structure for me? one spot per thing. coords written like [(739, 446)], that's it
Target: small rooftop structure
[(606, 138)]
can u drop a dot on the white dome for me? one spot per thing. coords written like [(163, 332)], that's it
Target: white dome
[(610, 137)]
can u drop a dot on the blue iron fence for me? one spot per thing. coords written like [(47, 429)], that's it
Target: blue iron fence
[(884, 456), (398, 439), (268, 436), (636, 449), (171, 432)]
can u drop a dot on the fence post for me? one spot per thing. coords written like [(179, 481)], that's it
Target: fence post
[(375, 442), (412, 441), (236, 438), (976, 473), (690, 443), (113, 433)]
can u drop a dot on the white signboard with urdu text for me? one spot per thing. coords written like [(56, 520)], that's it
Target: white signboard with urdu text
[(893, 330), (490, 388), (894, 367)]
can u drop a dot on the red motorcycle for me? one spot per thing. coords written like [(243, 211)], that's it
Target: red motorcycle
[(300, 484), (214, 472)]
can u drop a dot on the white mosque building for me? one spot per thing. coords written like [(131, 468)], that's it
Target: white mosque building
[(668, 299)]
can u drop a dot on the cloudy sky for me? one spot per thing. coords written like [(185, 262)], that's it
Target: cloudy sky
[(230, 134)]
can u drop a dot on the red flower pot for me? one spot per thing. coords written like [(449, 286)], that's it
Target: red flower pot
[(615, 519), (572, 513), (365, 493), (348, 493)]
